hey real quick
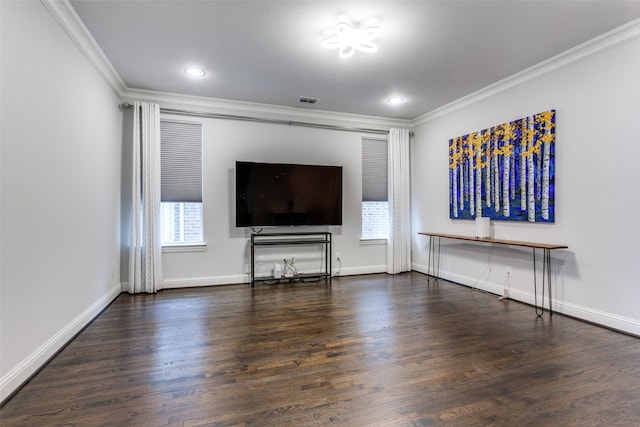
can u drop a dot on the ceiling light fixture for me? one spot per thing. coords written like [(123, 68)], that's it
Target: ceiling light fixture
[(349, 39), (194, 72), (395, 100)]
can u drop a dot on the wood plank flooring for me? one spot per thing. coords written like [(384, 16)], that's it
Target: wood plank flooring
[(374, 350)]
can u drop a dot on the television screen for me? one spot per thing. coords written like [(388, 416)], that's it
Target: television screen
[(272, 194)]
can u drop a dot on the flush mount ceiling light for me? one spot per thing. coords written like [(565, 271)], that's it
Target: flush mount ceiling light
[(349, 39), (395, 100), (194, 72)]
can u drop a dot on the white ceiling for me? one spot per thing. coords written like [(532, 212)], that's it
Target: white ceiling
[(430, 52)]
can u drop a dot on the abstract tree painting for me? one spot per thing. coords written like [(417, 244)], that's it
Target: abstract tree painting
[(505, 172)]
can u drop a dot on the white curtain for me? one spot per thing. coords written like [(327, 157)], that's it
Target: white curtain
[(145, 248), (399, 240)]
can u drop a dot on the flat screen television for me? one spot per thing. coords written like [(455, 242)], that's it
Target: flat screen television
[(277, 194)]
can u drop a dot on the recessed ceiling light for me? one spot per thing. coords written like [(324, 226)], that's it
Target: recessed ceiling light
[(194, 72), (395, 100), (349, 39)]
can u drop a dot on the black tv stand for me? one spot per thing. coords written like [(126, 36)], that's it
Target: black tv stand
[(293, 239)]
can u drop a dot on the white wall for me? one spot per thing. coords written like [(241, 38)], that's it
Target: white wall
[(596, 95), (226, 257), (61, 155)]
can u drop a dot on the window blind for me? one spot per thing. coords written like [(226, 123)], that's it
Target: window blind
[(181, 162), (374, 170)]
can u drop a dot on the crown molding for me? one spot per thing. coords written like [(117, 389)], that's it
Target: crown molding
[(608, 40), (68, 19), (267, 111), (71, 23)]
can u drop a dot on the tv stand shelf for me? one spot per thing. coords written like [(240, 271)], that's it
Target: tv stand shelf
[(293, 239)]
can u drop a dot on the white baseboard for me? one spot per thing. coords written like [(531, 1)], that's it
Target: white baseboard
[(609, 320), (234, 279), (193, 282), (196, 282), (354, 271), (12, 380)]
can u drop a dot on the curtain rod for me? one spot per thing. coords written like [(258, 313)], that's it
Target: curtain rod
[(127, 105)]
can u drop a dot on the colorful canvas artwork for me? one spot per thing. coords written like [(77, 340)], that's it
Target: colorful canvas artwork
[(506, 172)]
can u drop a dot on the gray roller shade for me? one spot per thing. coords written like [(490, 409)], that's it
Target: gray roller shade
[(181, 162), (374, 170)]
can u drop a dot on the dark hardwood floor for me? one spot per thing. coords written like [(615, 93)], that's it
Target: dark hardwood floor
[(373, 350)]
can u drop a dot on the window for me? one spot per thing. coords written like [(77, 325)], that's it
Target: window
[(181, 182), (181, 223), (375, 206)]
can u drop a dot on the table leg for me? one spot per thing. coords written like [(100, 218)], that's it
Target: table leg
[(546, 277), (429, 258), (535, 287), (547, 265), (329, 254), (433, 262), (253, 280), (438, 264)]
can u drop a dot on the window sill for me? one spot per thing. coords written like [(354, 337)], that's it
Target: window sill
[(373, 241), (185, 247)]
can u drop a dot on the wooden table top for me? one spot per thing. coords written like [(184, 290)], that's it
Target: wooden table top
[(534, 245)]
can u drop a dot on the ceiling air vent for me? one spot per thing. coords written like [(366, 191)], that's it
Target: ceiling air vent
[(307, 100)]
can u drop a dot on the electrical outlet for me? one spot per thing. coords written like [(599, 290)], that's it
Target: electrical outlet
[(260, 259)]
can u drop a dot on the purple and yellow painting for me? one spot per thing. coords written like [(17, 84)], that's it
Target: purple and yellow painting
[(505, 172)]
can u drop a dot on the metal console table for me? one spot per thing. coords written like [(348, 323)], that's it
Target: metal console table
[(434, 261), (293, 239)]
